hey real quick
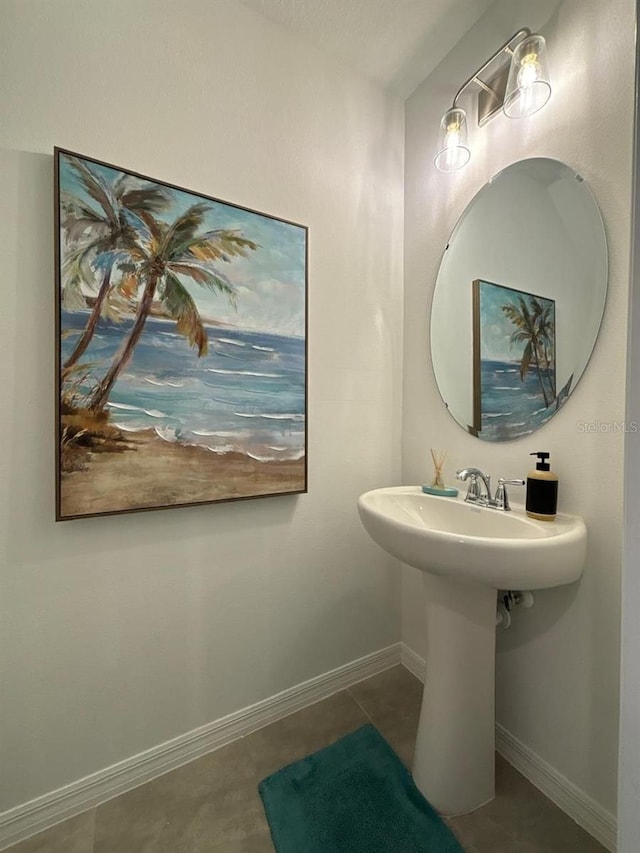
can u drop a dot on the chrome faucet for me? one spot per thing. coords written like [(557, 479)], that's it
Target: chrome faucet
[(474, 489), (474, 492)]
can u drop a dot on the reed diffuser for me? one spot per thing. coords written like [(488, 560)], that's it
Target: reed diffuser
[(437, 486), (438, 457)]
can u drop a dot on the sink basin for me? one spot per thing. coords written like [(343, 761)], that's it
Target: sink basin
[(447, 536), (466, 553)]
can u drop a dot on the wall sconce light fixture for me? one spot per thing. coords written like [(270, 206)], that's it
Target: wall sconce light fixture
[(515, 79)]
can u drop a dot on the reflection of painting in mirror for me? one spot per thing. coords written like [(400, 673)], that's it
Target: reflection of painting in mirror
[(554, 246), (514, 361)]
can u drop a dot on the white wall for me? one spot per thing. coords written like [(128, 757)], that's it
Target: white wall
[(629, 752), (557, 667), (120, 633)]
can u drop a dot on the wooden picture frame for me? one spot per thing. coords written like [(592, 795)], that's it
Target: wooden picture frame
[(181, 345), (514, 361)]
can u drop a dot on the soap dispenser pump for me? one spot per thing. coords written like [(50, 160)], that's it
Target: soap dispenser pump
[(542, 490)]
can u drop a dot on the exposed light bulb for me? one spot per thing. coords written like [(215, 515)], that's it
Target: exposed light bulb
[(530, 71), (528, 87), (453, 134), (527, 77), (453, 152)]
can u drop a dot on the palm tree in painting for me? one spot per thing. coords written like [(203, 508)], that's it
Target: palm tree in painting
[(543, 316), (162, 256), (92, 236), (527, 333)]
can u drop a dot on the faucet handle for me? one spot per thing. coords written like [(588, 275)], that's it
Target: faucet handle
[(502, 498)]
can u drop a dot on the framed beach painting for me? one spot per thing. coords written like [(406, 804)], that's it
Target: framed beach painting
[(514, 361), (181, 346)]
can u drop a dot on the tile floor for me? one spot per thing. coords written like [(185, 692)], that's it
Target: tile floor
[(212, 803)]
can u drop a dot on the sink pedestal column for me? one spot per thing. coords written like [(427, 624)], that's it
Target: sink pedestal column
[(454, 761)]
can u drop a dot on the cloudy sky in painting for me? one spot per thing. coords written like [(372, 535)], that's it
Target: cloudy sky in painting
[(270, 281), (497, 328)]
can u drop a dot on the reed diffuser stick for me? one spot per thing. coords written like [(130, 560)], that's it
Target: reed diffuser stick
[(438, 464)]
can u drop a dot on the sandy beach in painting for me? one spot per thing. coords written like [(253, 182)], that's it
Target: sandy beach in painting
[(154, 473)]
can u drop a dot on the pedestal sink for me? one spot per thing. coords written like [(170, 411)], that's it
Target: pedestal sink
[(466, 552)]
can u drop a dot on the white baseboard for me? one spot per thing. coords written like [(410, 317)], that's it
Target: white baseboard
[(413, 662), (25, 820), (39, 814), (578, 805), (572, 800)]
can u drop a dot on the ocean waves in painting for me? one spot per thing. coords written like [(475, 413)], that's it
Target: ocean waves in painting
[(247, 395), (511, 407)]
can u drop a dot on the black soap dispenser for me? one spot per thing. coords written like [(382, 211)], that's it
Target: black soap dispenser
[(542, 490)]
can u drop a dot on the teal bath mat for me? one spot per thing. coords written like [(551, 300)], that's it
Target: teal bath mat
[(355, 796)]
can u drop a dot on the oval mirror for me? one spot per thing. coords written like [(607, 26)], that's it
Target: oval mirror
[(519, 299)]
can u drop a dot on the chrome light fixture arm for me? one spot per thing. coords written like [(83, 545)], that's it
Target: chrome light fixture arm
[(508, 47)]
